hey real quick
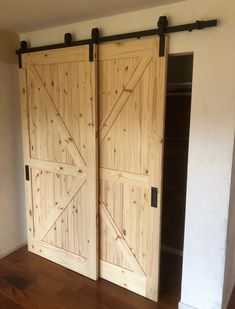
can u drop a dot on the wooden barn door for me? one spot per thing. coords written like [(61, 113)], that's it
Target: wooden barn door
[(131, 105), (58, 90)]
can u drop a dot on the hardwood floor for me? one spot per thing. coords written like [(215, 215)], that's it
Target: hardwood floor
[(29, 281)]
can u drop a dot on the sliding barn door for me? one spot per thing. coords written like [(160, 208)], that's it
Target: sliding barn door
[(131, 105), (58, 90)]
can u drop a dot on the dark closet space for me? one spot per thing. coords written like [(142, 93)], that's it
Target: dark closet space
[(177, 124)]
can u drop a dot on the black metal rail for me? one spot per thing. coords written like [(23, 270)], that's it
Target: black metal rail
[(160, 31)]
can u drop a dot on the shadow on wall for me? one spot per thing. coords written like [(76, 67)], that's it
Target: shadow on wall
[(12, 211)]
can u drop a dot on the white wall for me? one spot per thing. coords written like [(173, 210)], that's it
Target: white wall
[(12, 210), (211, 133)]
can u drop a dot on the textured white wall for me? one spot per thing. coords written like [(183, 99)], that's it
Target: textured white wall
[(211, 133), (12, 209)]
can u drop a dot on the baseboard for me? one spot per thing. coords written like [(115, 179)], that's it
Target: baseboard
[(184, 306), (226, 302), (2, 255)]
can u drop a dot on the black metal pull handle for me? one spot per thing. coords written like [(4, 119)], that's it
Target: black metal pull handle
[(27, 172), (154, 193)]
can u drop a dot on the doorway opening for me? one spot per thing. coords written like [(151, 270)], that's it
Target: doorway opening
[(177, 124)]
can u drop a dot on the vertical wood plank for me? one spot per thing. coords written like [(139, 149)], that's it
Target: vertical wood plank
[(157, 120), (92, 165)]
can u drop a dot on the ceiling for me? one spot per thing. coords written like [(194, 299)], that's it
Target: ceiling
[(29, 15)]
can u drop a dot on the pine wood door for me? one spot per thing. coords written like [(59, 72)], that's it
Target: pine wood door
[(131, 105), (58, 91)]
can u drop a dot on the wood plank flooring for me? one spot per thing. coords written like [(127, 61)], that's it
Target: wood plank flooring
[(29, 281)]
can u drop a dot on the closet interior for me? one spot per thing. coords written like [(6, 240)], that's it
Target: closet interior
[(176, 143)]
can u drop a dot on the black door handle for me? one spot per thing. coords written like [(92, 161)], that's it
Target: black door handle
[(154, 193), (27, 172)]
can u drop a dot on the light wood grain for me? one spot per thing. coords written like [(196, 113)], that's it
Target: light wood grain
[(120, 240), (57, 117), (73, 54), (131, 100), (91, 117), (60, 146), (60, 121), (157, 121), (125, 49), (59, 168), (123, 277), (122, 98), (59, 208), (62, 257), (124, 177)]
